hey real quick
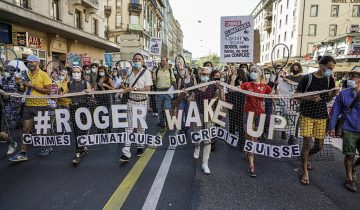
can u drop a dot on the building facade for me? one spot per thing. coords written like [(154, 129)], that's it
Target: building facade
[(134, 22), (307, 28), (55, 29)]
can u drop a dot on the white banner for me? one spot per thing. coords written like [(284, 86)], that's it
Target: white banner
[(237, 39), (155, 46)]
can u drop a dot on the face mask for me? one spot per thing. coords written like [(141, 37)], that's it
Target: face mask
[(93, 70), (217, 79), (175, 73), (204, 78), (296, 72), (31, 67), (136, 65), (182, 73), (253, 75), (101, 74), (222, 79), (114, 75), (328, 73), (87, 71), (76, 76), (343, 79), (62, 78), (267, 76), (351, 83)]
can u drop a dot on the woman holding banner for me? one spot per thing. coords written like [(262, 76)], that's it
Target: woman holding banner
[(78, 84), (254, 104)]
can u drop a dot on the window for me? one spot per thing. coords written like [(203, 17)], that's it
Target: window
[(285, 36), (279, 39), (284, 52), (55, 9), (118, 21), (286, 20), (332, 30), (356, 11), (277, 53), (291, 49), (23, 3), (287, 4), (95, 26), (134, 19), (281, 9), (134, 1), (273, 43), (312, 30), (314, 10), (118, 4), (280, 24), (78, 23), (292, 34), (334, 10)]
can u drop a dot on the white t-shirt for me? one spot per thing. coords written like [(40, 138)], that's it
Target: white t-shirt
[(144, 80)]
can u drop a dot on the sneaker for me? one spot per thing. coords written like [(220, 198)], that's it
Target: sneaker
[(12, 148), (197, 152), (18, 157), (45, 151), (140, 152), (124, 158), (205, 168), (252, 171), (350, 185), (76, 159)]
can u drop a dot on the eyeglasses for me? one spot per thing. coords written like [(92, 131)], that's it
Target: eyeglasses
[(204, 74)]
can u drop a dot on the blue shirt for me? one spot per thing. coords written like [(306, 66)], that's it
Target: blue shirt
[(342, 102)]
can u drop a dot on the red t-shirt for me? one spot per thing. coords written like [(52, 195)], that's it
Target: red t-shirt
[(252, 103)]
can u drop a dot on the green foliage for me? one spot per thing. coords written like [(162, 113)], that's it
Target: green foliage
[(212, 57)]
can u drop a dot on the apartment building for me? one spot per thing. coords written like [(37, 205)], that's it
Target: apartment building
[(309, 29), (55, 29)]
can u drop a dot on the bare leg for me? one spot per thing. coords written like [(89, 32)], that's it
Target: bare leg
[(305, 157), (27, 126)]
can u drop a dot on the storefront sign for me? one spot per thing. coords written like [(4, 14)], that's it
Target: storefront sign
[(34, 42)]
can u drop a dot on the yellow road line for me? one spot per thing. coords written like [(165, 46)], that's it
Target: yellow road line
[(119, 196)]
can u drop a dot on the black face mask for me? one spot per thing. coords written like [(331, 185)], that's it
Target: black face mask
[(31, 67), (217, 79)]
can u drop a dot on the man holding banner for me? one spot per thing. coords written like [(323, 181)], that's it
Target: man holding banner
[(313, 111), (139, 80), (39, 85)]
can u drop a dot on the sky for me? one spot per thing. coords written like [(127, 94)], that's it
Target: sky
[(204, 37)]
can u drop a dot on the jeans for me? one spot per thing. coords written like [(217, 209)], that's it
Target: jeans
[(163, 102), (184, 105)]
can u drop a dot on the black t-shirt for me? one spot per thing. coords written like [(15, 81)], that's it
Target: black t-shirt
[(294, 78), (317, 110)]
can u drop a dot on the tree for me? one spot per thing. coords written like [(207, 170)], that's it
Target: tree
[(212, 57)]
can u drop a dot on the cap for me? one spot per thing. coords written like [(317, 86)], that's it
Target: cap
[(33, 58)]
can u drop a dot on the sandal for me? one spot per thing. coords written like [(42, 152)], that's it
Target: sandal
[(304, 181), (309, 166)]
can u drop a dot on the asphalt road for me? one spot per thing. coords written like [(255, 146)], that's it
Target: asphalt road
[(52, 182)]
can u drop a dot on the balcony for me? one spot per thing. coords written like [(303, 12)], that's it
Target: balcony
[(136, 8), (267, 26), (353, 29), (268, 15), (90, 4)]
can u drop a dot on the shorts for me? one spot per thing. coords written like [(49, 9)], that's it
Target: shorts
[(32, 111), (351, 142), (311, 127)]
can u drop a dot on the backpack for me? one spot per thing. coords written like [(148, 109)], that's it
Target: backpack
[(309, 78)]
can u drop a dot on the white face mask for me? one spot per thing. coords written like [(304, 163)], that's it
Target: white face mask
[(267, 76), (93, 70), (76, 76), (6, 75), (62, 78), (253, 75), (351, 83), (182, 73), (101, 74), (87, 71)]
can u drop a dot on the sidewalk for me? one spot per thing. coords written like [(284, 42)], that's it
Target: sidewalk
[(276, 186)]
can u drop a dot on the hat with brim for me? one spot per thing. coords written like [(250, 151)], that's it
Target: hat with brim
[(33, 58)]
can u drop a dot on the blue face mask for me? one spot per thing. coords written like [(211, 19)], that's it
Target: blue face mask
[(204, 78), (136, 65), (328, 73), (351, 83), (253, 75)]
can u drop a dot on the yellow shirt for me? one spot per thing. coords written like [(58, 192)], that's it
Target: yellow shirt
[(64, 101), (163, 79), (40, 79)]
